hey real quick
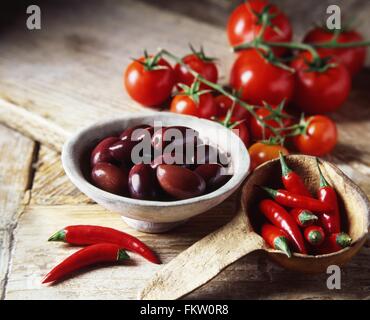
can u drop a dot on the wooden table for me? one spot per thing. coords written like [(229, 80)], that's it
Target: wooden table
[(69, 74)]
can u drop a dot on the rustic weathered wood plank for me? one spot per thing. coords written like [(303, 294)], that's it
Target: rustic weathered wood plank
[(73, 68), (50, 185), (5, 246), (253, 277), (76, 78), (39, 222), (32, 125), (16, 154)]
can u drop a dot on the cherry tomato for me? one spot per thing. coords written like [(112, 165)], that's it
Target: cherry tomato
[(352, 58), (318, 92), (262, 152), (184, 104), (224, 104), (244, 24), (149, 87), (257, 128), (205, 68), (320, 137), (260, 81), (241, 130)]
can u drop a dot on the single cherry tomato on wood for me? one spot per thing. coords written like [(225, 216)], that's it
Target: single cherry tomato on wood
[(318, 138), (149, 80), (320, 89), (259, 132), (352, 58), (245, 24), (201, 64), (259, 81), (261, 152)]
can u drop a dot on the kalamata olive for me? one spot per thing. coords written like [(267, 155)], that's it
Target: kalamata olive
[(205, 153), (122, 149), (171, 158), (213, 174), (110, 178), (127, 134), (179, 182), (178, 135), (101, 151), (142, 182)]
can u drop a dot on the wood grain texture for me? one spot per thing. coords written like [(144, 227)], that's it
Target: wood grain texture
[(50, 185), (69, 74), (16, 154), (253, 277), (5, 248), (32, 125), (118, 282)]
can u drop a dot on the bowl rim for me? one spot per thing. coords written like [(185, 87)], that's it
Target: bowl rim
[(74, 173)]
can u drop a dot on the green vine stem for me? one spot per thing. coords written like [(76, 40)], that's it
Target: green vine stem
[(341, 45), (234, 98)]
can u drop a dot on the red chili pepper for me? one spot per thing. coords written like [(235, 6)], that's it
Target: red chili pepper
[(278, 216), (334, 243), (330, 220), (303, 217), (276, 238), (292, 200), (97, 253), (314, 235), (291, 180), (86, 235)]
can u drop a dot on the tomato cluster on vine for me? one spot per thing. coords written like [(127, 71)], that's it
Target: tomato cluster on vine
[(271, 82)]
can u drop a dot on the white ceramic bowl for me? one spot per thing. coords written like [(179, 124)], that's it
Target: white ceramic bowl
[(155, 216)]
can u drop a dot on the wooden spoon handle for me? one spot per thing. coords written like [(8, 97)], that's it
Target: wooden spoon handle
[(203, 260)]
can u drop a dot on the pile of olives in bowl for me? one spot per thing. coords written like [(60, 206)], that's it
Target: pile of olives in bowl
[(158, 163)]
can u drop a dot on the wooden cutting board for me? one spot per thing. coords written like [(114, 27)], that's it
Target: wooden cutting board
[(69, 74)]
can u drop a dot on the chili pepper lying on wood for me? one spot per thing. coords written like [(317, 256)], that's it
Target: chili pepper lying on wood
[(276, 238), (303, 217), (97, 253), (291, 180), (87, 234), (292, 200), (278, 216), (334, 243), (330, 220), (314, 235)]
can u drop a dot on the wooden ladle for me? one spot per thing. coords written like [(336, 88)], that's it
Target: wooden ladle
[(208, 257)]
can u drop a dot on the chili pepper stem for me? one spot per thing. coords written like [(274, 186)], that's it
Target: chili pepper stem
[(306, 216), (344, 240), (284, 167), (315, 237), (270, 191), (281, 244), (58, 236), (122, 255), (323, 182)]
